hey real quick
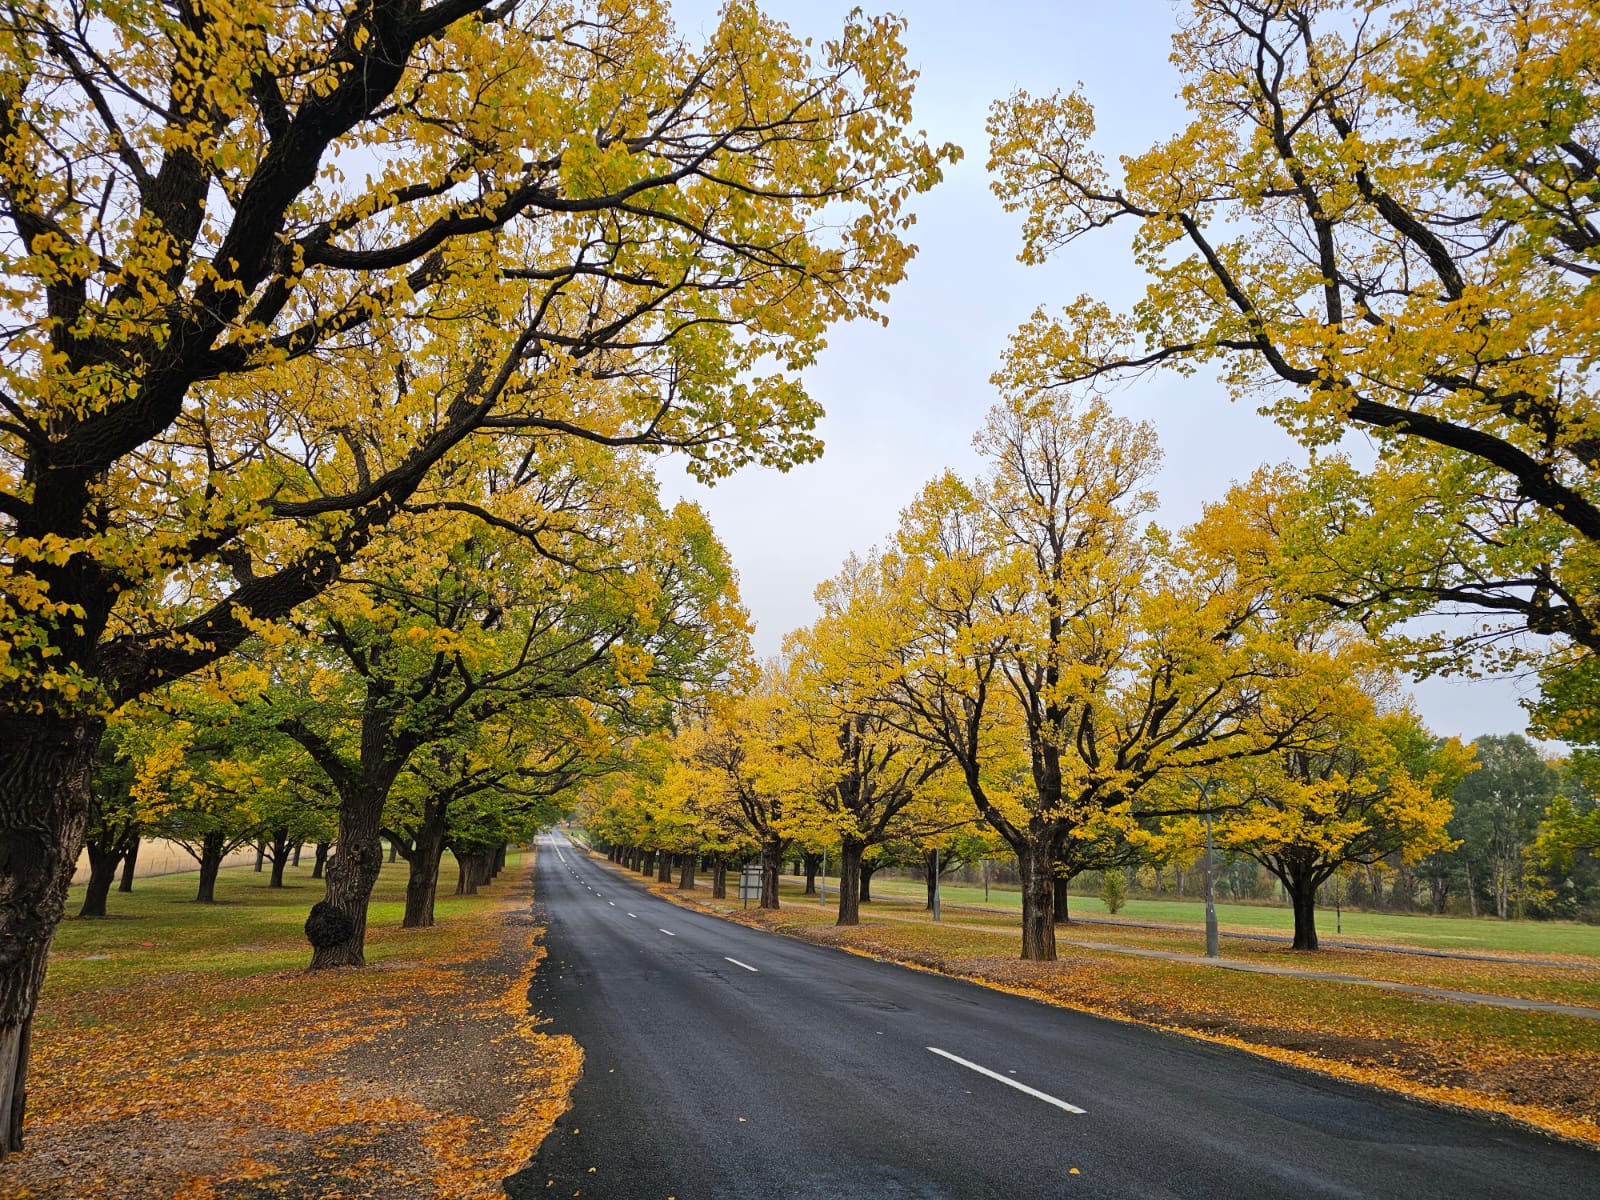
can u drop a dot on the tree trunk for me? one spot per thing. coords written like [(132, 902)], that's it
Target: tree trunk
[(719, 877), (103, 859), (867, 871), (129, 861), (296, 860), (1303, 895), (210, 864), (771, 868), (280, 856), (499, 860), (394, 852), (261, 853), (1059, 898), (686, 872), (930, 875), (664, 868), (851, 882), (1472, 892), (1035, 864), (351, 874), (813, 863), (647, 864), (422, 883)]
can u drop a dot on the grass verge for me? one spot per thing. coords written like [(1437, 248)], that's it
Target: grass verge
[(1538, 1069), (182, 1050)]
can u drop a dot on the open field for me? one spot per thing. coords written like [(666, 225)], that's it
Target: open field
[(1538, 1068), (183, 1050)]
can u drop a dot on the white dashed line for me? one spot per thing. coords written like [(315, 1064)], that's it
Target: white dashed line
[(635, 916), (1021, 1087), (613, 903), (669, 933), (737, 963)]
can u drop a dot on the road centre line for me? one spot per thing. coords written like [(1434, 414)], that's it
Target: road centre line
[(737, 963), (635, 916), (1021, 1087), (668, 932)]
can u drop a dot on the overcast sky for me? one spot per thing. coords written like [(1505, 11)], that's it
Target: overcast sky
[(904, 401)]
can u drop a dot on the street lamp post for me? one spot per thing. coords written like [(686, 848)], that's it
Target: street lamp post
[(1212, 949)]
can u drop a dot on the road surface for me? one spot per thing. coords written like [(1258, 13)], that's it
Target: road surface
[(725, 1063)]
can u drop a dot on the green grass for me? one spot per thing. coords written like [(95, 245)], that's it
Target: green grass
[(1438, 933), (251, 929)]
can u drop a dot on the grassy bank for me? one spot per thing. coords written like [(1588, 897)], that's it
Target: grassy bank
[(1405, 929), (182, 1050)]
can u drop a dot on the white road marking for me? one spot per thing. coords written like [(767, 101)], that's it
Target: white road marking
[(668, 932), (560, 855), (737, 963), (635, 916), (1021, 1087), (613, 903)]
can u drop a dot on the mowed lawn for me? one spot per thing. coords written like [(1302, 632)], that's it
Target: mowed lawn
[(251, 929), (1404, 929)]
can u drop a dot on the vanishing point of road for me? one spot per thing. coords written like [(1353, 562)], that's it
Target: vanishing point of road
[(726, 1063)]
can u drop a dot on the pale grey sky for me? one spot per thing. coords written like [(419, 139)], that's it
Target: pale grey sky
[(904, 401)]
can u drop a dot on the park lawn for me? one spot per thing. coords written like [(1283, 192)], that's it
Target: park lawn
[(1404, 929), (1541, 1069), (183, 1050)]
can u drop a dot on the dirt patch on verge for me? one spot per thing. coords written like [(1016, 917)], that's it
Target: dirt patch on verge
[(404, 1079)]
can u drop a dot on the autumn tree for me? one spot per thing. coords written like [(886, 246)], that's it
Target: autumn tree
[(1066, 657), (263, 275), (733, 763), (621, 608), (1372, 784), (112, 830), (1383, 217), (864, 775)]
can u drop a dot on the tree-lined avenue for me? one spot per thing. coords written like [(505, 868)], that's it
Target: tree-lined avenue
[(727, 1062)]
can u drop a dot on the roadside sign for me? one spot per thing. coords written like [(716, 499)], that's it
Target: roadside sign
[(750, 883)]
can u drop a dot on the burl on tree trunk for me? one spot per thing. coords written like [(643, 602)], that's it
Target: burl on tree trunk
[(350, 876)]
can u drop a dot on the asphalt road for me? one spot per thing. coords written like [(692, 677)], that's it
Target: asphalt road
[(724, 1062)]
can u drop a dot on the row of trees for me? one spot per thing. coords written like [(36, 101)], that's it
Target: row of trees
[(1030, 654), (335, 296), (450, 694)]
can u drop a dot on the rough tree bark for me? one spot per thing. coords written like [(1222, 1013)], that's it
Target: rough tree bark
[(44, 801), (351, 874), (423, 858), (719, 877), (686, 872), (320, 863), (851, 881), (1036, 866), (813, 862), (664, 868), (771, 869)]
